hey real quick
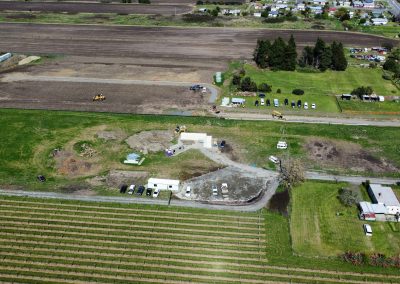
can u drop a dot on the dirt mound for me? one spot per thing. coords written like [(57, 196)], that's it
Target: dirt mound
[(347, 156), (150, 141), (70, 165), (117, 178)]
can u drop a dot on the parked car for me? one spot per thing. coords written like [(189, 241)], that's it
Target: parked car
[(214, 190), (367, 230), (188, 191), (305, 105), (268, 102), (299, 103), (293, 104), (123, 188), (148, 192), (274, 159), (156, 193), (196, 87), (256, 103), (276, 102), (286, 102), (313, 106), (262, 102), (281, 145), (140, 190), (131, 189), (261, 95), (41, 178), (222, 144)]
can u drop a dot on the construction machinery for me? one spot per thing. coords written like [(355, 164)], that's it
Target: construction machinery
[(99, 98), (179, 129), (277, 114)]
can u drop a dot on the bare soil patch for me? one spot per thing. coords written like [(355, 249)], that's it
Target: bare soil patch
[(347, 156), (116, 178), (68, 164), (110, 135), (151, 141)]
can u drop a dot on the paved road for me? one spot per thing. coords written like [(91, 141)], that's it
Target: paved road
[(95, 8), (350, 179), (310, 119)]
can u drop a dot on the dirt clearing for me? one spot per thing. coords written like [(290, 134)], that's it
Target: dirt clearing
[(151, 141), (346, 155)]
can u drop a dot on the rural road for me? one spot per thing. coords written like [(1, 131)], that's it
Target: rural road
[(312, 119), (16, 77), (149, 9), (350, 179)]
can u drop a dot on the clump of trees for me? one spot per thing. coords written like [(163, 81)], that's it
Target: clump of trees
[(323, 56), (298, 92), (392, 64), (348, 197), (245, 84), (279, 55), (361, 91)]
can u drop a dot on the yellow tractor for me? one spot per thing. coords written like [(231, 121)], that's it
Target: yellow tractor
[(99, 98), (277, 114), (179, 129)]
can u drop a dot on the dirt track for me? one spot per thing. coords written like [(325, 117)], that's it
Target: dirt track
[(95, 8), (158, 42)]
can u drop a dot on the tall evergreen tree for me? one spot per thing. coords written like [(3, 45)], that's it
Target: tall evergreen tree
[(261, 53), (325, 61), (319, 49), (277, 54), (290, 59), (307, 57), (339, 61)]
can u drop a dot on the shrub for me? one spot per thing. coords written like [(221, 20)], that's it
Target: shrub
[(347, 197), (278, 91), (264, 87), (247, 85), (356, 258), (298, 92), (236, 80), (199, 2)]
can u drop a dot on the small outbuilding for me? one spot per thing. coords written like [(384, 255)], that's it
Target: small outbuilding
[(163, 184), (201, 138), (384, 195)]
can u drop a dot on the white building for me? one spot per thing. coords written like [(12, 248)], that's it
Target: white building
[(201, 138), (384, 195), (163, 184), (379, 21)]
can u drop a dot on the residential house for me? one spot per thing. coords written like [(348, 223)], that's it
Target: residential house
[(319, 2), (301, 7), (358, 4), (369, 4)]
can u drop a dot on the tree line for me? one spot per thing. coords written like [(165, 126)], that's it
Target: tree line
[(279, 55)]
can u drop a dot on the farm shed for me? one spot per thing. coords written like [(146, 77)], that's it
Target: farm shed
[(163, 184), (384, 195), (372, 212), (201, 138)]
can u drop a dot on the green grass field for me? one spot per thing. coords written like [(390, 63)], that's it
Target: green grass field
[(29, 137), (60, 241), (320, 88), (317, 231)]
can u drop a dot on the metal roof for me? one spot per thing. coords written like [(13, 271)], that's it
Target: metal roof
[(384, 195)]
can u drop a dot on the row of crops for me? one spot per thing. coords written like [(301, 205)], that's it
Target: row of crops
[(55, 241)]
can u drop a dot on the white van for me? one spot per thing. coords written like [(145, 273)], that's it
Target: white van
[(262, 101), (367, 230), (274, 159), (276, 102), (281, 145)]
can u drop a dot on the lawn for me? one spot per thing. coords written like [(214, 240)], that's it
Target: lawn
[(321, 226), (321, 89), (386, 107), (28, 138)]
